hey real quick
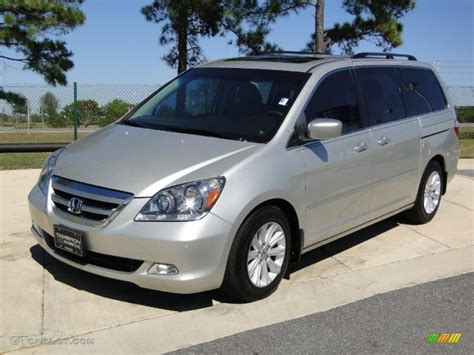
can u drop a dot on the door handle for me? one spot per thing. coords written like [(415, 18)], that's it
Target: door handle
[(383, 141), (359, 148)]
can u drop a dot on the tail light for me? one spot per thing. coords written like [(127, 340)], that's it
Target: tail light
[(457, 129)]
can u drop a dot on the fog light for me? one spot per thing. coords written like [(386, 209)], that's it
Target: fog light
[(162, 269)]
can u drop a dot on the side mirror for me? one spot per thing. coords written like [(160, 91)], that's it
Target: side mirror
[(324, 128)]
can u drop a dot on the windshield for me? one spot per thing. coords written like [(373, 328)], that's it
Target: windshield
[(239, 104)]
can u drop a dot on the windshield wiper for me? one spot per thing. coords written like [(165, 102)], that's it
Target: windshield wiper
[(131, 123), (198, 131)]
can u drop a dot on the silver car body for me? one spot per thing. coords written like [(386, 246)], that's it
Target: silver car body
[(328, 188)]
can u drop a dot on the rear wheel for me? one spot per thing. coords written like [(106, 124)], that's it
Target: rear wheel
[(429, 195), (259, 255)]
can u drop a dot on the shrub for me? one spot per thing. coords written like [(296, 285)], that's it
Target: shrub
[(465, 114)]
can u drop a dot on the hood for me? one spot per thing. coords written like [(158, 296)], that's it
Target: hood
[(143, 161)]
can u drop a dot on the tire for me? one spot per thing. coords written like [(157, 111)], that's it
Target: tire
[(244, 256), (421, 212)]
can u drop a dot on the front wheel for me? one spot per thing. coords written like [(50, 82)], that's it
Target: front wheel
[(259, 255), (429, 194)]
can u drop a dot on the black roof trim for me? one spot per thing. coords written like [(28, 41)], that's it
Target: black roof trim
[(386, 55), (294, 57), (274, 58), (296, 54)]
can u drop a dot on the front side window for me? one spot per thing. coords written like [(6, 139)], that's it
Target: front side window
[(238, 104), (421, 90), (382, 95), (336, 98)]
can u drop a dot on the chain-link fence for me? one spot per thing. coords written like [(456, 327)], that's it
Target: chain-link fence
[(50, 113), (463, 99)]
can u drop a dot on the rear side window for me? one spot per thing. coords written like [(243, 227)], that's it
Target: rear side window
[(421, 90), (336, 98), (382, 94)]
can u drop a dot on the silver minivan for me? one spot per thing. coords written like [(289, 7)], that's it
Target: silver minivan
[(236, 168)]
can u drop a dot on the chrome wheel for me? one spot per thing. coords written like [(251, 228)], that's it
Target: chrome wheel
[(266, 254), (432, 192)]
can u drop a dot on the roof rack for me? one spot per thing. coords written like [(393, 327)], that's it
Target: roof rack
[(386, 55), (302, 53), (289, 52)]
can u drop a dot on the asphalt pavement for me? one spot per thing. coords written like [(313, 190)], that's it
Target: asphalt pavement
[(395, 322)]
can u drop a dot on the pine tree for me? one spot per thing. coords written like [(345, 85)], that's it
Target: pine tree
[(27, 35)]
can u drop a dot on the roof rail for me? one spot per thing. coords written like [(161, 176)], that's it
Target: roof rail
[(386, 55), (294, 52)]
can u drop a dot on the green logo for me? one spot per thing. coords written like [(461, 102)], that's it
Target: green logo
[(440, 338)]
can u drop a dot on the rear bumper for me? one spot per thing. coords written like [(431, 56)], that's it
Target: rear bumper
[(198, 249)]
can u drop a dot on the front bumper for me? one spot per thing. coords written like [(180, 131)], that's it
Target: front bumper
[(199, 249)]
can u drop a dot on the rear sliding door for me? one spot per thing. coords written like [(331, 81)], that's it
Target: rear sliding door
[(396, 137)]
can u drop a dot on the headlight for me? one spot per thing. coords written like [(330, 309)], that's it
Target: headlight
[(47, 171), (186, 202)]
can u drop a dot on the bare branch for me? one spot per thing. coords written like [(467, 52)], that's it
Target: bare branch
[(24, 60)]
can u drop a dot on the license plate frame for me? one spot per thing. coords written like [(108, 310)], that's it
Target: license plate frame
[(69, 240)]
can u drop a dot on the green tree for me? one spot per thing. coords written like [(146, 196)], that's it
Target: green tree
[(113, 111), (20, 108), (465, 114), (88, 112), (27, 35), (185, 21), (4, 118), (58, 120), (36, 118), (374, 21), (49, 104)]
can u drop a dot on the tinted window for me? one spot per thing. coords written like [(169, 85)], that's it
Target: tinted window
[(200, 97), (239, 104), (382, 94), (167, 107), (421, 90), (336, 98)]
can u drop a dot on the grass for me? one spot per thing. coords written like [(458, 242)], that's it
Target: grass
[(38, 137), (10, 161), (467, 142), (467, 148)]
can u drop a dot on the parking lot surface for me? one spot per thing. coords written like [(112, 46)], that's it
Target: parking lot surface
[(43, 301), (395, 322)]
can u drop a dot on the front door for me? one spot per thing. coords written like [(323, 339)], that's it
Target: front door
[(339, 171)]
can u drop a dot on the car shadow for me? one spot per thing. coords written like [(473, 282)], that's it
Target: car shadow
[(119, 290), (338, 246), (130, 293)]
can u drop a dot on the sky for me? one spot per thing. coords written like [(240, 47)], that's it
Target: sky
[(116, 44)]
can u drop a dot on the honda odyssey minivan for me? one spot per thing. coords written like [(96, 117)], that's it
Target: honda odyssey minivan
[(236, 168)]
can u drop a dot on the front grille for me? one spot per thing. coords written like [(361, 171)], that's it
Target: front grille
[(99, 205), (103, 260)]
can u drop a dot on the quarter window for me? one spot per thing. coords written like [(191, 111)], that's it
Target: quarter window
[(382, 94), (422, 91), (336, 98)]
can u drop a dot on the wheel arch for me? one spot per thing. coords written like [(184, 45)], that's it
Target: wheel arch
[(440, 159), (297, 234)]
